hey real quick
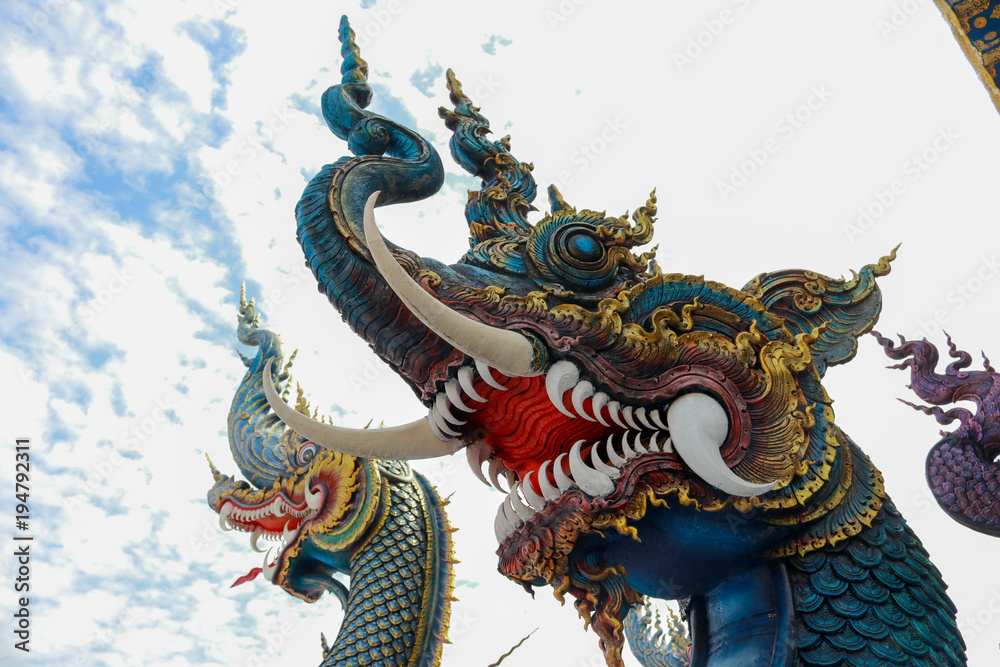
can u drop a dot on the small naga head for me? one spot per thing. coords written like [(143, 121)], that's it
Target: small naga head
[(655, 430), (313, 503)]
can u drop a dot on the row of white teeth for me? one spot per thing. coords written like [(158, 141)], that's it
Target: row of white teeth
[(594, 479), (230, 517), (561, 378)]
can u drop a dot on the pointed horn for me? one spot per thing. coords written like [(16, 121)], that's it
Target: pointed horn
[(215, 471), (698, 426), (411, 441), (509, 352)]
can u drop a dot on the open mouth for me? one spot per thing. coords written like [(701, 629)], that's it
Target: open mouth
[(548, 435), (278, 519)]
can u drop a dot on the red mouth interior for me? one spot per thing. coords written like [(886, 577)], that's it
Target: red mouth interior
[(524, 429)]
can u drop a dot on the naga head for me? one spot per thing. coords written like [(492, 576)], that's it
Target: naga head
[(621, 404), (312, 503)]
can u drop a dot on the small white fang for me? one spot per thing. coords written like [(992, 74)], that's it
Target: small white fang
[(313, 498), (455, 396), (257, 532), (536, 501), (444, 407), (653, 447), (627, 414), (600, 466), (616, 460), (465, 379), (637, 446), (496, 467), (613, 408), (590, 481), (279, 507), (599, 400), (655, 416), (485, 372), (561, 377), (668, 446), (287, 534), (269, 569), (563, 481), (438, 418), (582, 391), (640, 414), (224, 513), (434, 427), (512, 517), (519, 507), (477, 453), (501, 526), (627, 450), (549, 492)]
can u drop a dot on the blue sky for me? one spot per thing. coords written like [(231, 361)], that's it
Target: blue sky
[(150, 160)]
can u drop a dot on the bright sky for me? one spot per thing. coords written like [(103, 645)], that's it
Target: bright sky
[(152, 157)]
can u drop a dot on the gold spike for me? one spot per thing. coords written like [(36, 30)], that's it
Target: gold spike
[(215, 471)]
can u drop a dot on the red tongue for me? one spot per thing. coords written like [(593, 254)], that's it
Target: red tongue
[(249, 576)]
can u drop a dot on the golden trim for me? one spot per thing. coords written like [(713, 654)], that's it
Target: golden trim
[(971, 52)]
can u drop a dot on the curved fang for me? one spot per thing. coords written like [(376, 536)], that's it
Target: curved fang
[(411, 441), (507, 351), (698, 427), (224, 513)]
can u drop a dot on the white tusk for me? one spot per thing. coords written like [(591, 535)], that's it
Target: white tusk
[(411, 441), (561, 377), (589, 480), (581, 392), (698, 428), (465, 379), (508, 351)]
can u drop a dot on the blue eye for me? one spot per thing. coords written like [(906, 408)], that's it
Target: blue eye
[(584, 248)]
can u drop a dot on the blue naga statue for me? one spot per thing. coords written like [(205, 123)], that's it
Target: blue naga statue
[(659, 435)]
